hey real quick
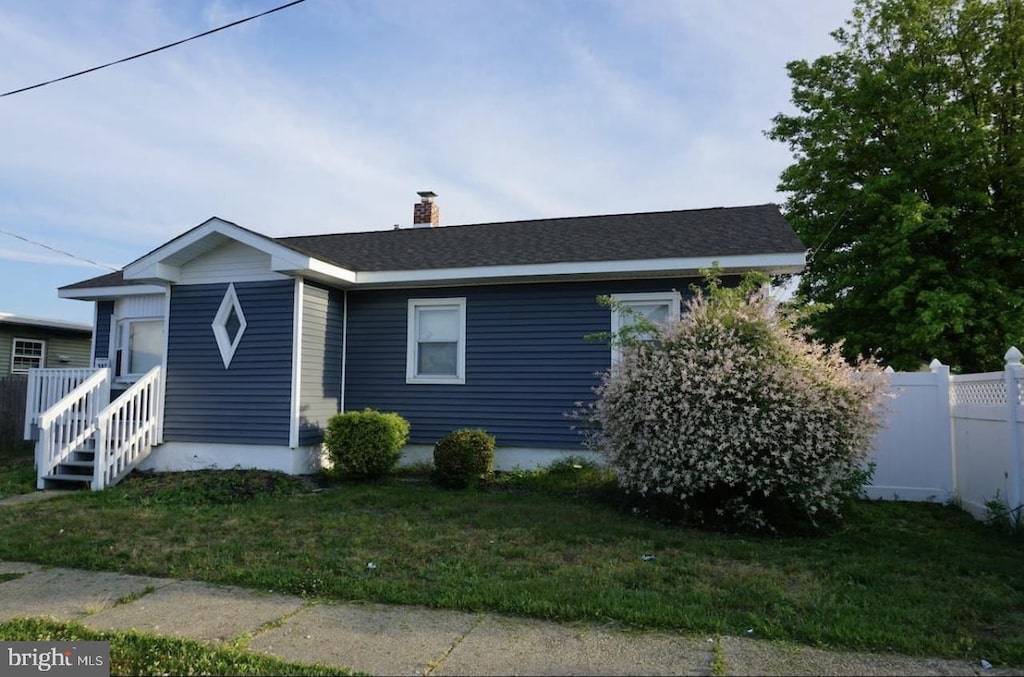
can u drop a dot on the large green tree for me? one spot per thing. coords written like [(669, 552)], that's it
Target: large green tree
[(908, 181)]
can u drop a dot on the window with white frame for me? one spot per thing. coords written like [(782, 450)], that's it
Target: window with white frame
[(655, 307), (140, 347), (436, 345), (26, 354)]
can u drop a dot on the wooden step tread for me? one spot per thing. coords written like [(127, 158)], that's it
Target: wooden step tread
[(68, 478)]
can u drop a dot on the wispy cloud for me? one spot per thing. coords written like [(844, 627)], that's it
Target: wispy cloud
[(52, 260), (329, 116)]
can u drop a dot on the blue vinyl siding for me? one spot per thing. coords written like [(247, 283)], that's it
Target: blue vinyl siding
[(104, 311), (247, 403), (320, 384), (527, 362)]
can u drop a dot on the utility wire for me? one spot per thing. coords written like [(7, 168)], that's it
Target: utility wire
[(59, 251), (153, 51), (829, 233)]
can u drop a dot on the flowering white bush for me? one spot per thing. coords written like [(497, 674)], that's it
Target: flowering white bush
[(735, 416)]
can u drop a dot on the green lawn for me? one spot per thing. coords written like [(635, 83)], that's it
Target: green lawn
[(918, 579), (136, 653), (17, 473)]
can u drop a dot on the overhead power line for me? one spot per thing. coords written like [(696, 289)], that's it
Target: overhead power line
[(153, 51), (829, 233), (59, 251)]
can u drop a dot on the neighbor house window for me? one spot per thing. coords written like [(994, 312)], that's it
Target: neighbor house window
[(26, 354), (656, 307), (141, 347), (436, 347)]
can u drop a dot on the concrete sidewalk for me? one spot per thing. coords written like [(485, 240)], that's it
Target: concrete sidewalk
[(398, 640)]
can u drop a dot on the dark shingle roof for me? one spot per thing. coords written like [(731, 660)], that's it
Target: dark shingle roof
[(696, 233), (720, 231), (109, 280)]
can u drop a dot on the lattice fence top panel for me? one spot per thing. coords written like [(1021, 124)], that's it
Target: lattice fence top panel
[(987, 393)]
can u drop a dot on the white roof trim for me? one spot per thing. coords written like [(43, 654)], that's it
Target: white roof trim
[(322, 270), (165, 262), (772, 263), (11, 318), (93, 293)]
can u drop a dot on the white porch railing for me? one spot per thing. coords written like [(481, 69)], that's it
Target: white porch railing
[(46, 387), (127, 429), (67, 425), (72, 411)]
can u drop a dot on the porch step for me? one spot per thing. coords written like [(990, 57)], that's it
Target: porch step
[(65, 481), (74, 473), (66, 477), (85, 465)]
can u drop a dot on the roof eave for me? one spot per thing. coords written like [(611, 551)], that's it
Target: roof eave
[(110, 292), (9, 319), (776, 264)]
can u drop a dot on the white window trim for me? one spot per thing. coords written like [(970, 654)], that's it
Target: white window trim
[(412, 344), (673, 298), (134, 307), (14, 344), (122, 342)]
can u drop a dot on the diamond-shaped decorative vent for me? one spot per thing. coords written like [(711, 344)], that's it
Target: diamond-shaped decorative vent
[(229, 325), (233, 325)]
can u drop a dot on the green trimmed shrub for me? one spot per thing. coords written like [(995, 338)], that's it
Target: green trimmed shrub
[(463, 456), (365, 444)]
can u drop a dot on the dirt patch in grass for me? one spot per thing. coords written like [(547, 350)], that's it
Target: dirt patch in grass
[(214, 487)]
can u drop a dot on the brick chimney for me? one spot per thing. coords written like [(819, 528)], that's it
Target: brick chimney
[(425, 213)]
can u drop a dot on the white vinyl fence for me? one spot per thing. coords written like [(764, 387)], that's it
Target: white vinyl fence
[(953, 437)]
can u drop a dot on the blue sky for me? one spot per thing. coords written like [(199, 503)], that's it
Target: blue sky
[(330, 115)]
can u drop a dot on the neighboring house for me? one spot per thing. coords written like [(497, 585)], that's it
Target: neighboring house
[(27, 342), (256, 341)]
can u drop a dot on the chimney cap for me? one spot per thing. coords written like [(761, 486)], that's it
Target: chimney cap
[(427, 195)]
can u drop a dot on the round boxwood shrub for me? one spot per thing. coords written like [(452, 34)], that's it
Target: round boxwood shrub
[(463, 457), (365, 444), (734, 417)]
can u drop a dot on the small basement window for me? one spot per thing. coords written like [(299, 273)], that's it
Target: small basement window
[(27, 354), (436, 342)]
